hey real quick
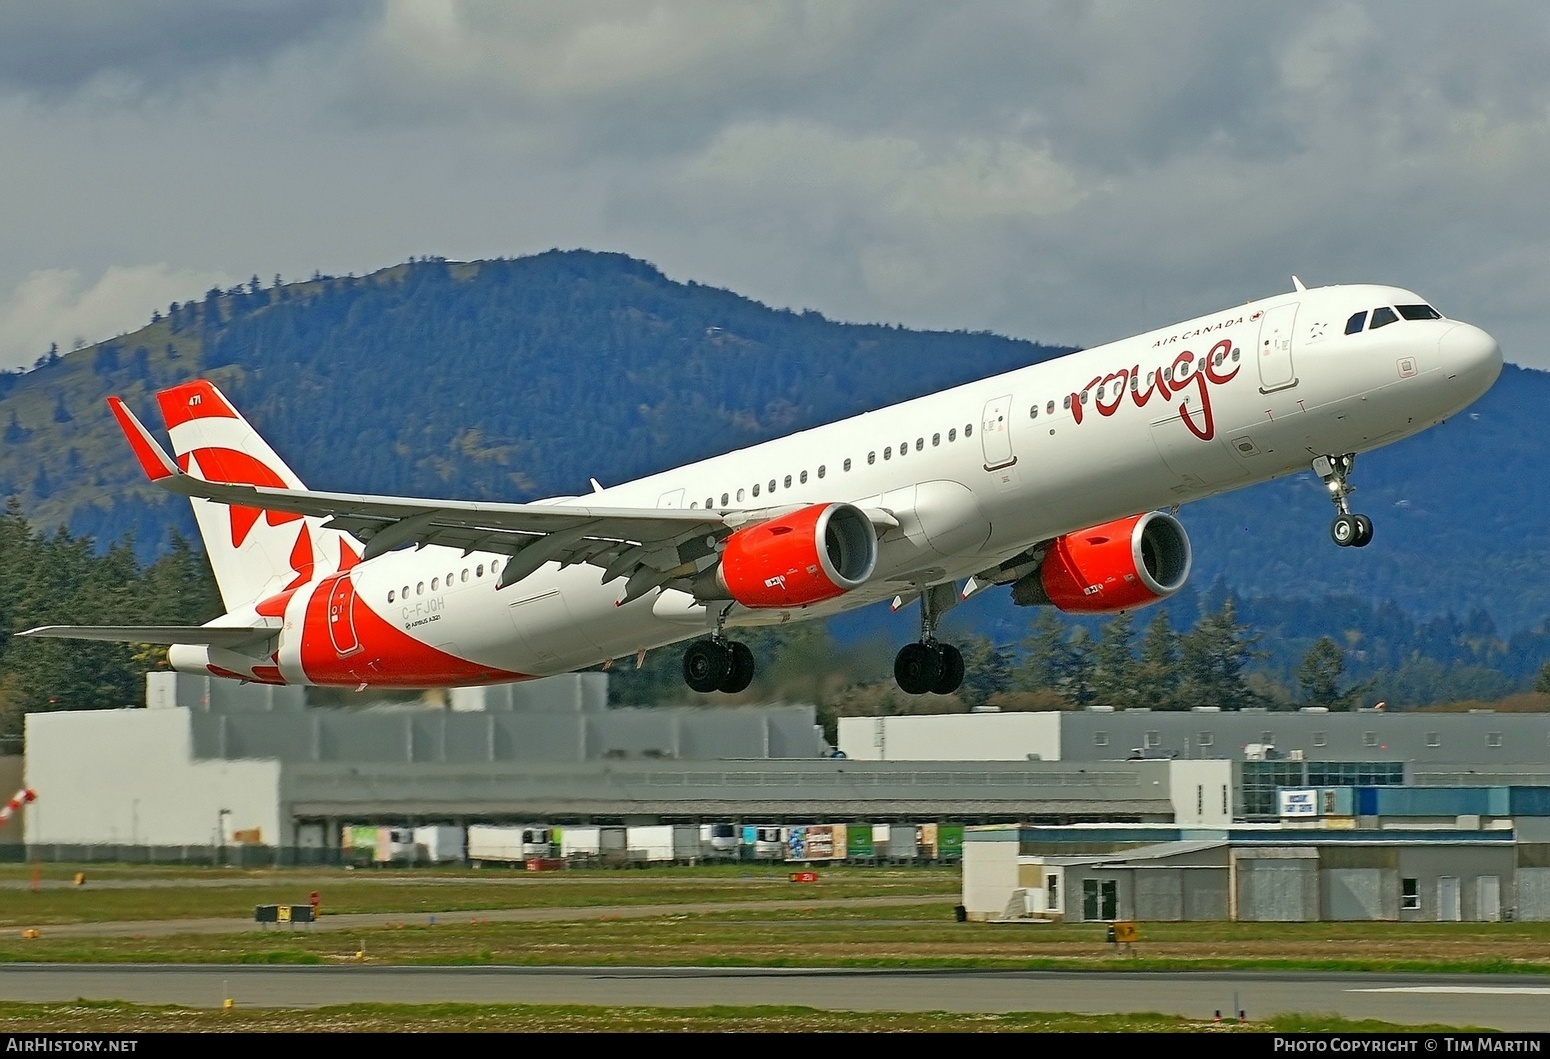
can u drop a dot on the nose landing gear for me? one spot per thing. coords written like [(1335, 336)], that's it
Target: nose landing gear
[(1348, 530), (930, 666)]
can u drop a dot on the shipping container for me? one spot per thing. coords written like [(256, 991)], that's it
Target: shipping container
[(438, 844)]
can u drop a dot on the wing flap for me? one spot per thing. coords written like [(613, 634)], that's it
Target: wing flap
[(205, 635)]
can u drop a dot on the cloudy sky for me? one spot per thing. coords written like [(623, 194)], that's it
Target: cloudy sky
[(1064, 171)]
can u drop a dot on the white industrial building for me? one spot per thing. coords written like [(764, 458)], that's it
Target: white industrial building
[(211, 768), (1102, 734)]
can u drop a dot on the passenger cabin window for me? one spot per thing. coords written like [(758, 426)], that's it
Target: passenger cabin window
[(1356, 323), (920, 444), (724, 499), (936, 439), (871, 457), (1049, 407), (772, 485), (847, 467), (888, 453), (803, 479), (755, 490), (968, 431), (952, 435), (1033, 412), (1419, 312), (1382, 316), (823, 470), (390, 595), (739, 496)]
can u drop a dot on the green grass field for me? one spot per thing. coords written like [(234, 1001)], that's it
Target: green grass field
[(123, 894), (707, 924), (115, 1017), (704, 927)]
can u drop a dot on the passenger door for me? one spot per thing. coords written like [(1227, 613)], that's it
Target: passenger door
[(996, 433), (1275, 349)]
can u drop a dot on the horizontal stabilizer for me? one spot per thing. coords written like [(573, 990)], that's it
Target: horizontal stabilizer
[(213, 636)]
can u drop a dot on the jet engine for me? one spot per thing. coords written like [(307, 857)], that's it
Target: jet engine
[(1116, 566), (808, 556)]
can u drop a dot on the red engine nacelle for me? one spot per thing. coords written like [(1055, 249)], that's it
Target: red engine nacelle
[(1122, 564), (805, 557)]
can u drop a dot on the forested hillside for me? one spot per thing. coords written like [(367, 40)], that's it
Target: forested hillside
[(514, 379)]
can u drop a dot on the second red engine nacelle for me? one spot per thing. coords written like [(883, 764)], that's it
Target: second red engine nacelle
[(1116, 566), (805, 557)]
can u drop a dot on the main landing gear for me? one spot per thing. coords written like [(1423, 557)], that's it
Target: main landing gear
[(1348, 530), (718, 664), (930, 666)]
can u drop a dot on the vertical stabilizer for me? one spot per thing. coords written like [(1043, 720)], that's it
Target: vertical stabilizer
[(254, 553)]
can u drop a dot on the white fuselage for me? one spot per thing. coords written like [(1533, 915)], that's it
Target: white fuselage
[(978, 473)]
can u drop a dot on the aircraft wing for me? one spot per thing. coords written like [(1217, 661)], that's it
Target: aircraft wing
[(214, 636), (649, 546)]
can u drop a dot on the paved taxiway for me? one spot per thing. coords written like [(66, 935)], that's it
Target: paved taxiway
[(1498, 1002)]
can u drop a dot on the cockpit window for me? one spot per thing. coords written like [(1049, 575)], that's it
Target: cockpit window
[(1382, 316), (1419, 312), (1353, 325)]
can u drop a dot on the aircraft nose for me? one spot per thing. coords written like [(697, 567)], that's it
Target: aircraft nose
[(1467, 350)]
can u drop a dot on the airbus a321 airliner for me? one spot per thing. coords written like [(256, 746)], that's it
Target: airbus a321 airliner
[(1032, 479)]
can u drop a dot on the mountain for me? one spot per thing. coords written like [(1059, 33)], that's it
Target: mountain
[(514, 379)]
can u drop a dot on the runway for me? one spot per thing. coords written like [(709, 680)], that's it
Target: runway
[(1509, 1003)]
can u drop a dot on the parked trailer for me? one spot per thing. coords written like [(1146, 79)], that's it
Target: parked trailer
[(509, 844), (365, 844), (949, 846), (903, 842), (663, 843), (438, 844), (813, 843)]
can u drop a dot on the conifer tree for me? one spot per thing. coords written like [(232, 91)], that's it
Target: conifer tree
[(1114, 665), (1157, 676)]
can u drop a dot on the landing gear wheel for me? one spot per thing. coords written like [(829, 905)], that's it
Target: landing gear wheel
[(917, 669), (1348, 530), (741, 672), (951, 660), (707, 665), (1363, 531)]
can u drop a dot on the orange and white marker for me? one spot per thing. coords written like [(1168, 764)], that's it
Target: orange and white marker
[(23, 796)]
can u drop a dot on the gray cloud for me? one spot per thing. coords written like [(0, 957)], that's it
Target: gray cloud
[(57, 47), (1064, 171)]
